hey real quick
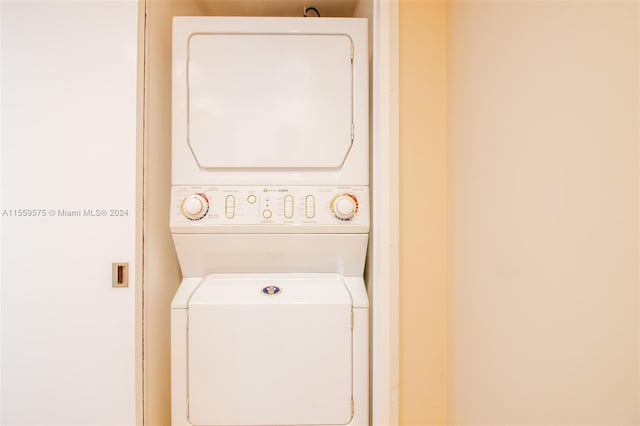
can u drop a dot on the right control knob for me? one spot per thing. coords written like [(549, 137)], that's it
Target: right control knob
[(344, 206)]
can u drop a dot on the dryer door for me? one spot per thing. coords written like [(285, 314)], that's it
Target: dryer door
[(270, 100), (257, 358)]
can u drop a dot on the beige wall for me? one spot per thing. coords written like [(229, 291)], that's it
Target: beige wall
[(423, 214), (541, 104), (543, 212), (161, 270), (544, 186)]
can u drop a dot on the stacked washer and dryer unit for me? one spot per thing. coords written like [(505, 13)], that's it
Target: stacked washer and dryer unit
[(270, 220)]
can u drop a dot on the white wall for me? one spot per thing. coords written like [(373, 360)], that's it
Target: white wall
[(68, 142), (544, 126)]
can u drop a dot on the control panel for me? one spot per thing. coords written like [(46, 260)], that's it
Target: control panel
[(256, 208)]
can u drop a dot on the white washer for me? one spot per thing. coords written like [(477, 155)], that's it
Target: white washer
[(290, 358), (270, 220)]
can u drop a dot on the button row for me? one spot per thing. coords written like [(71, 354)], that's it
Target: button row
[(309, 206)]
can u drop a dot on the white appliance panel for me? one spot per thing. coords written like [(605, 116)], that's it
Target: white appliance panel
[(291, 362), (270, 209), (270, 100), (179, 347), (202, 254)]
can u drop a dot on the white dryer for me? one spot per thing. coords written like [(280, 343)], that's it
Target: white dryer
[(270, 220)]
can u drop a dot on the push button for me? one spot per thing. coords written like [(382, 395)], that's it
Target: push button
[(229, 206), (288, 206), (266, 214), (309, 207)]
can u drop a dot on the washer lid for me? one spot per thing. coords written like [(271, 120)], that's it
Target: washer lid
[(270, 100), (265, 352)]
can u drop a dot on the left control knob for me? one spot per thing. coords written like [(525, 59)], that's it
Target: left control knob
[(195, 206)]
